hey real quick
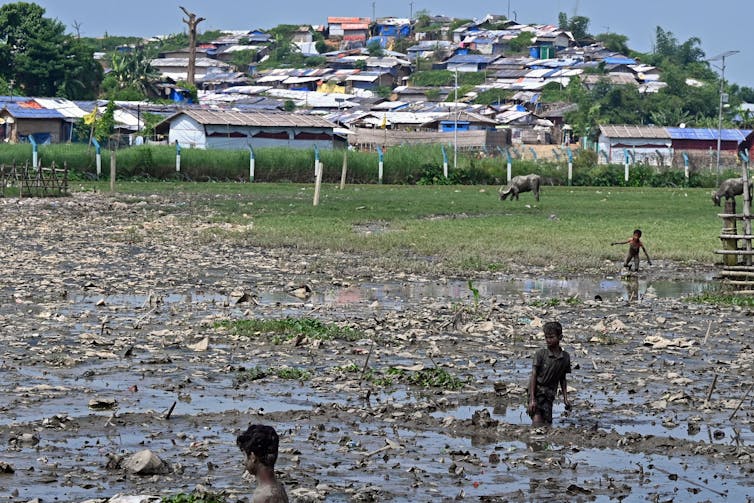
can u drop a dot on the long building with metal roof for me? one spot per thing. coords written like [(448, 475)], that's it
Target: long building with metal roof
[(234, 130), (658, 145)]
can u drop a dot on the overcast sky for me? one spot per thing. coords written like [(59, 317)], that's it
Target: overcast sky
[(722, 25)]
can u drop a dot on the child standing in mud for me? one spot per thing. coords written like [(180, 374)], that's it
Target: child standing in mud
[(634, 245), (260, 444), (549, 369)]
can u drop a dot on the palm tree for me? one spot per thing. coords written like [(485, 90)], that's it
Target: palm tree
[(134, 69)]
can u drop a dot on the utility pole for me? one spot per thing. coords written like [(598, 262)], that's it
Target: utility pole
[(723, 97), (455, 123), (191, 22)]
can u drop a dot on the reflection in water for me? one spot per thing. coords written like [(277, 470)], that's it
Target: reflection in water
[(395, 295), (632, 288)]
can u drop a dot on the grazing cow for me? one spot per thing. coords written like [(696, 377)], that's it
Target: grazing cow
[(518, 184), (729, 189)]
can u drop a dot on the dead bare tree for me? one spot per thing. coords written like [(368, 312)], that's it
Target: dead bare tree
[(191, 22)]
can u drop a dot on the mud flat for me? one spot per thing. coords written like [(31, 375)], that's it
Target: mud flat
[(118, 326)]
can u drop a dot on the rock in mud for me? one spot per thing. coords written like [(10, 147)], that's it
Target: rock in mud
[(145, 463), (482, 419), (305, 495)]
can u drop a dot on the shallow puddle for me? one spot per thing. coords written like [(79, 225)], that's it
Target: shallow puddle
[(643, 424), (395, 295)]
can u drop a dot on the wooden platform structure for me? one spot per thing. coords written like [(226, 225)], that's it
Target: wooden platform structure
[(28, 181), (737, 252)]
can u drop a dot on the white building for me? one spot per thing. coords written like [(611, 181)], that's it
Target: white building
[(232, 130)]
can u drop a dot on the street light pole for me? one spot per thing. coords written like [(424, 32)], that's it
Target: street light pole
[(720, 107), (455, 123)]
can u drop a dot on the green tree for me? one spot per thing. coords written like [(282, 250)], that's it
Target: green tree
[(577, 25), (492, 96), (562, 21), (242, 59), (614, 42), (321, 46), (667, 48), (673, 117), (104, 126), (521, 41), (150, 120), (132, 72), (375, 49), (43, 61)]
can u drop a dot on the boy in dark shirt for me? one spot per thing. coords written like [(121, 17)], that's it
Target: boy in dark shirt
[(549, 369), (634, 245)]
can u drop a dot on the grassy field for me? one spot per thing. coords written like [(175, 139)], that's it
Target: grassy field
[(462, 228)]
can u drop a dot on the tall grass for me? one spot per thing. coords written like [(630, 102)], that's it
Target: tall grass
[(404, 164)]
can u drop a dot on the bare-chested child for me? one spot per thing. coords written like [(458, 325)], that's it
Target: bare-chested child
[(634, 245), (260, 444), (549, 369)]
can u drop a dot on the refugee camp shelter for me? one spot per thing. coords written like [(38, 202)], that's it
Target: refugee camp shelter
[(234, 130), (21, 118), (705, 139), (647, 144), (659, 145)]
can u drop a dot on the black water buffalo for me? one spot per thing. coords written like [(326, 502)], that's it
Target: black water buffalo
[(522, 183), (729, 189)]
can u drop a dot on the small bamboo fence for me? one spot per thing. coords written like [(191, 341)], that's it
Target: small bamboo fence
[(737, 252), (28, 181)]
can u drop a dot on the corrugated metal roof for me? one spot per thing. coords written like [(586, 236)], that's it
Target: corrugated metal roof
[(66, 107), (300, 80), (511, 116), (342, 19), (622, 131), (511, 74), (19, 111), (363, 77), (355, 26), (678, 133), (260, 119), (271, 78), (470, 58), (466, 117), (403, 117)]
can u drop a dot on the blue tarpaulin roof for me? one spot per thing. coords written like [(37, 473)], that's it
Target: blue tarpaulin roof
[(679, 133), (22, 112), (614, 60)]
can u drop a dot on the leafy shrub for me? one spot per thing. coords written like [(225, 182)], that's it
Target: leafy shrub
[(194, 498)]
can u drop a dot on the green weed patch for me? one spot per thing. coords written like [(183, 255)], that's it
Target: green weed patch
[(722, 299), (435, 377), (288, 328)]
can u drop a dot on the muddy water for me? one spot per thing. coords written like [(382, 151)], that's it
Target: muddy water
[(122, 321), (395, 295)]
